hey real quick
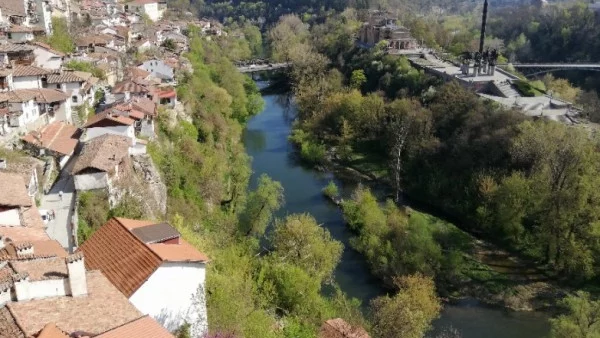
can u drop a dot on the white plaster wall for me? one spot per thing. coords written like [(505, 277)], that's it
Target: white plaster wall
[(63, 161), (48, 288), (151, 10), (168, 294), (27, 82), (157, 67), (45, 59), (10, 217), (91, 181), (126, 131)]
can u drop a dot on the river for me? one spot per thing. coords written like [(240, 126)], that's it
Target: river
[(266, 140)]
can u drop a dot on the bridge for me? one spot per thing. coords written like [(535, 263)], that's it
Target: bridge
[(541, 68), (261, 66)]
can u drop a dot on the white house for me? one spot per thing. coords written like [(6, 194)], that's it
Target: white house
[(28, 77), (161, 274), (154, 9), (80, 86), (46, 57), (109, 122), (159, 69), (30, 109), (102, 160)]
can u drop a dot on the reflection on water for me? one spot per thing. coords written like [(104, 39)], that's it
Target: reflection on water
[(266, 140)]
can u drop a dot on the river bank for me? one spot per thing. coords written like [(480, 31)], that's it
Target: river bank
[(507, 281), (266, 140)]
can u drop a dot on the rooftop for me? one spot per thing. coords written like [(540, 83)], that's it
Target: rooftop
[(57, 136), (102, 153), (14, 192), (108, 118), (20, 71), (143, 327), (119, 250), (42, 95), (132, 86), (102, 309)]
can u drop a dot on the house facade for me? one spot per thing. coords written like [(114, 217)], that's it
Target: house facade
[(141, 259), (159, 69)]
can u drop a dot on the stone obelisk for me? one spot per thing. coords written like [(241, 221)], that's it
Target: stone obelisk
[(483, 22)]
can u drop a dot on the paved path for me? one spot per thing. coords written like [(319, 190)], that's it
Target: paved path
[(60, 228)]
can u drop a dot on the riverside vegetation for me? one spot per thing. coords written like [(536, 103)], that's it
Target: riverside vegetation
[(530, 186), (259, 283)]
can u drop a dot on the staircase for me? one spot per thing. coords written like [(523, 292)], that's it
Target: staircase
[(507, 89)]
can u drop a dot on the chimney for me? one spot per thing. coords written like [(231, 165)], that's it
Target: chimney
[(24, 249), (21, 282), (127, 96), (483, 23), (2, 163), (2, 245), (77, 277), (5, 293)]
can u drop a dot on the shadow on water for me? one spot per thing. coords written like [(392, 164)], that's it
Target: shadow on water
[(266, 140)]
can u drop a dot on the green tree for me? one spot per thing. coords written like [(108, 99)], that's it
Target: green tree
[(357, 79), (299, 240), (409, 313), (61, 39), (582, 318), (262, 204)]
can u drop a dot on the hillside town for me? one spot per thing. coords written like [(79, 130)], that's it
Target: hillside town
[(80, 131)]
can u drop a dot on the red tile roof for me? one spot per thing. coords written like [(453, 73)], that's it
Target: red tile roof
[(57, 136), (123, 259), (102, 153), (51, 331), (102, 309), (132, 86), (126, 260), (145, 327), (20, 71), (14, 192), (166, 94), (108, 118), (23, 233), (42, 95)]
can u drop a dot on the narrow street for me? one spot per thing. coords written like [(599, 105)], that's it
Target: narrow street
[(60, 227)]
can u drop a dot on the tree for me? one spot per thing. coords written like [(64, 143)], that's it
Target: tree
[(357, 79), (409, 313), (289, 32), (299, 240), (406, 120), (582, 319), (262, 204), (61, 39)]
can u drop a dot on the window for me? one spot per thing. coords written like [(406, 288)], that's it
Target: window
[(74, 98), (58, 86)]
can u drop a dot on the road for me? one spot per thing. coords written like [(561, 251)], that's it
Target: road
[(60, 227)]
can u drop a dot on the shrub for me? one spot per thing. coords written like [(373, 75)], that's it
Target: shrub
[(331, 190)]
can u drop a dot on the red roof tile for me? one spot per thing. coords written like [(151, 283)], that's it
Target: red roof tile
[(103, 308), (51, 331), (108, 118), (57, 136), (145, 327), (14, 191), (126, 260)]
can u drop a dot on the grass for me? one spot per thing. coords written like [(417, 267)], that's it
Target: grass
[(366, 157), (473, 269), (530, 89)]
